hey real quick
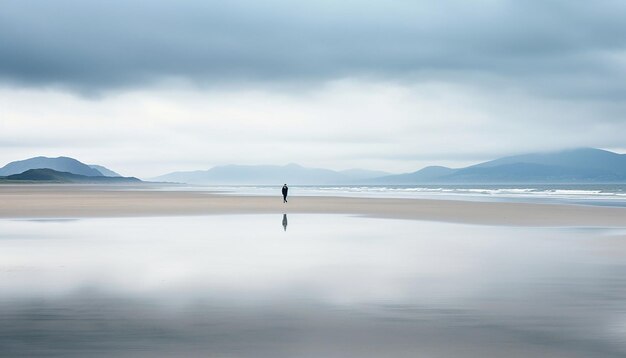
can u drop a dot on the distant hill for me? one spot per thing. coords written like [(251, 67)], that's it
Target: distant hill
[(104, 171), (51, 175), (586, 159), (268, 175), (61, 164), (584, 165)]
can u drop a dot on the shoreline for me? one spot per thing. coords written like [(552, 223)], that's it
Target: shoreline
[(67, 201)]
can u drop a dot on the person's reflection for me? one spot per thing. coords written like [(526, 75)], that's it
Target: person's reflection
[(285, 222)]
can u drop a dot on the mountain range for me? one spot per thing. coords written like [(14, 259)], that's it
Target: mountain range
[(269, 175), (583, 165)]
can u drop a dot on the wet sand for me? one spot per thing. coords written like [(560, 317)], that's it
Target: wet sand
[(76, 201)]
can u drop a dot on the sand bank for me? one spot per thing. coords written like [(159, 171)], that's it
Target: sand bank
[(76, 201)]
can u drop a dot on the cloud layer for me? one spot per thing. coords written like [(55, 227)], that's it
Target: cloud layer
[(558, 47)]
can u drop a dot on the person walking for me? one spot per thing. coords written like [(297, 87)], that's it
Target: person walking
[(285, 190)]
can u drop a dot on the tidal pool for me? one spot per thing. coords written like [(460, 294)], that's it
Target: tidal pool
[(309, 286)]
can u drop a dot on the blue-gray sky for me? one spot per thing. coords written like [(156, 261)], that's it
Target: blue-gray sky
[(146, 87)]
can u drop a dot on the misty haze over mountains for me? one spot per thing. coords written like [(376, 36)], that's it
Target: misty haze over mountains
[(584, 165), (105, 171), (576, 166), (269, 175)]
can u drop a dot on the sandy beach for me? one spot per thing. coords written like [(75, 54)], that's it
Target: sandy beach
[(76, 201)]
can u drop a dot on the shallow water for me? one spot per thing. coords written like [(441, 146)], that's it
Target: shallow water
[(309, 286)]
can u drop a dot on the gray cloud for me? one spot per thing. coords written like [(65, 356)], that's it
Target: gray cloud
[(562, 48)]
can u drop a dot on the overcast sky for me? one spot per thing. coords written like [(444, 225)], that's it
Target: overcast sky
[(148, 87)]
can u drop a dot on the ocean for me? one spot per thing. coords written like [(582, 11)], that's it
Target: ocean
[(580, 194)]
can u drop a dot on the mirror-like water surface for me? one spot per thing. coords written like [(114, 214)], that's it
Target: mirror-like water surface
[(309, 286)]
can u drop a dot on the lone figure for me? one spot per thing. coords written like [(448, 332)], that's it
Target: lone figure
[(285, 190)]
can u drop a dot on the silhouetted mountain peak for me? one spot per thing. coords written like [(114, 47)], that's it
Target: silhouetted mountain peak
[(60, 164), (51, 175)]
